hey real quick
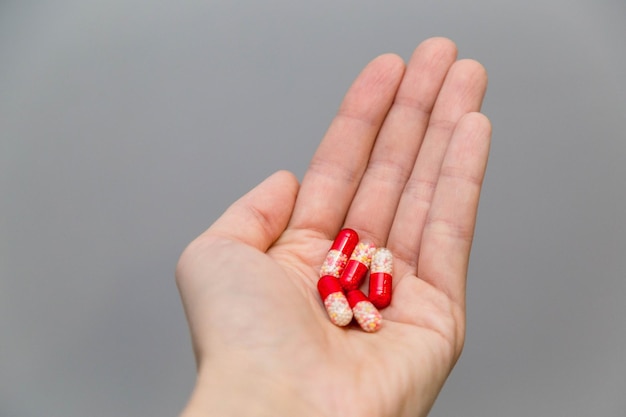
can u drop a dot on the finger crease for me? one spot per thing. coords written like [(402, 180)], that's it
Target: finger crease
[(263, 220), (388, 171), (441, 124), (420, 190), (445, 227), (423, 109), (334, 171), (358, 117), (453, 173)]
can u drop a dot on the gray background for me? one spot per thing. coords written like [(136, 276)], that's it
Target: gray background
[(128, 126)]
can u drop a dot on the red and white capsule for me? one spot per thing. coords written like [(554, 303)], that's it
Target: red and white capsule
[(381, 277), (357, 266), (339, 252), (335, 301), (365, 313)]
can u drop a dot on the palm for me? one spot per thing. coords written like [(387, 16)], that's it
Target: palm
[(367, 374), (402, 166)]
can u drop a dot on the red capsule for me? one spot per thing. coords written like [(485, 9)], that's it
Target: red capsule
[(381, 278), (357, 267), (365, 313), (334, 300), (337, 256)]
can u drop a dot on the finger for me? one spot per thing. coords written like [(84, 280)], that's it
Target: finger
[(337, 166), (259, 217), (449, 228), (390, 165), (462, 92)]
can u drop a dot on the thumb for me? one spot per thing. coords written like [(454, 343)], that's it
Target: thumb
[(260, 216)]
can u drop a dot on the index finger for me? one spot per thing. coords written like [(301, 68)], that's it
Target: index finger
[(335, 171)]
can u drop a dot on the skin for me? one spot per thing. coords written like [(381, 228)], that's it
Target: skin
[(402, 163)]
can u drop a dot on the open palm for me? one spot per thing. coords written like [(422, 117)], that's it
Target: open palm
[(402, 164)]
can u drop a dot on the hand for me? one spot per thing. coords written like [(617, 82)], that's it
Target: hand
[(402, 164)]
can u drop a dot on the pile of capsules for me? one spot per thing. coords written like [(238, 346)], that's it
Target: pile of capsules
[(343, 272)]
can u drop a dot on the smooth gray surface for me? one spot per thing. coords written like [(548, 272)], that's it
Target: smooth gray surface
[(128, 126)]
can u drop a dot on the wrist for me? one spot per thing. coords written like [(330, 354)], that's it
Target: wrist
[(233, 390)]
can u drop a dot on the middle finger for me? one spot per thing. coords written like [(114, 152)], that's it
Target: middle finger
[(391, 162)]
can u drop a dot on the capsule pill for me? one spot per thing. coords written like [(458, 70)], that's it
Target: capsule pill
[(357, 266), (339, 252), (368, 317), (335, 302), (381, 278)]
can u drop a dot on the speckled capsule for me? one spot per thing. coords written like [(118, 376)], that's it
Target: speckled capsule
[(339, 252), (335, 302), (381, 277), (368, 317), (357, 266)]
